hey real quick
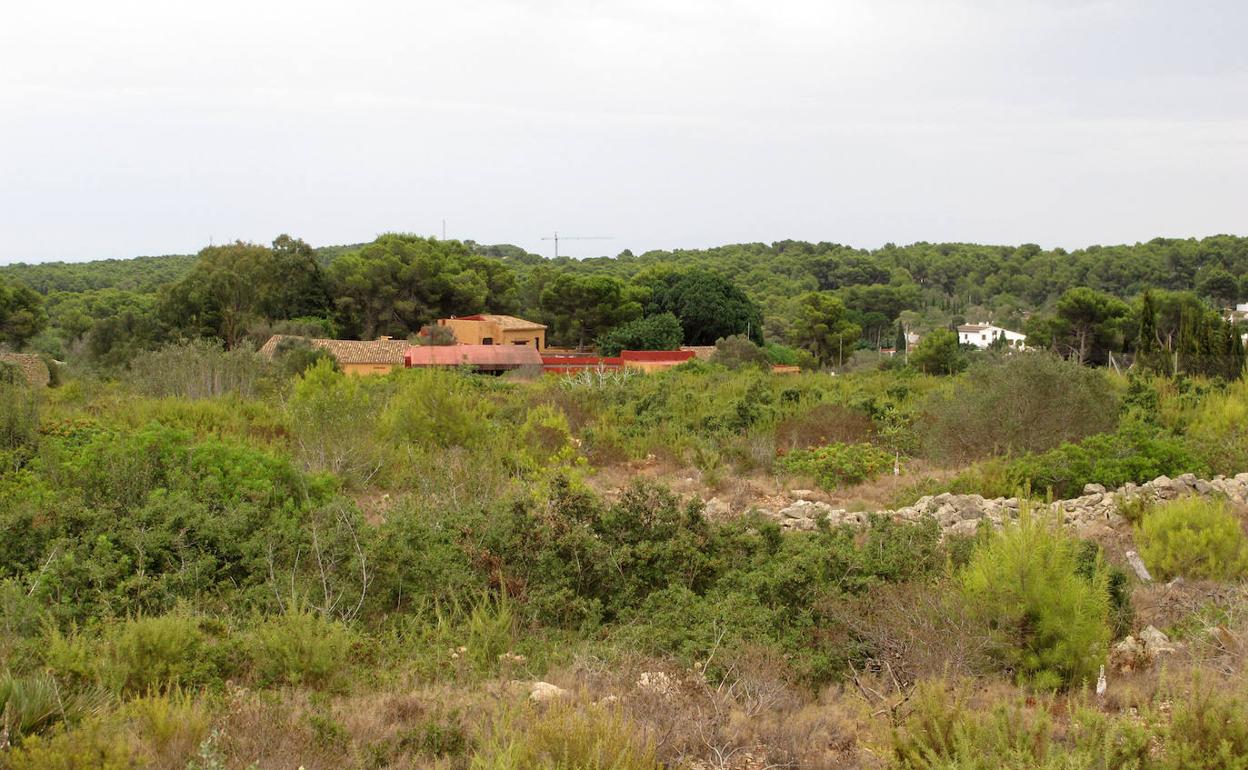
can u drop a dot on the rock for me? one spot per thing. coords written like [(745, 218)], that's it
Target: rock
[(1155, 641), (1129, 655), (657, 683), (803, 494), (716, 508), (545, 692), (1137, 566), (1093, 489)]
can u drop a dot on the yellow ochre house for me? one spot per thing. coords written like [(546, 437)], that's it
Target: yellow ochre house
[(490, 329)]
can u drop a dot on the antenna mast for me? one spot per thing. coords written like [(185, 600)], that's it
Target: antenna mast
[(556, 238)]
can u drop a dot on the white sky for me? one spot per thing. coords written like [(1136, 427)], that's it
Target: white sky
[(136, 127)]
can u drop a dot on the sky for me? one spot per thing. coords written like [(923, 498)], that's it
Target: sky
[(139, 127)]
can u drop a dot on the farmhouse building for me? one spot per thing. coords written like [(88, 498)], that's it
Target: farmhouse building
[(489, 329), (31, 367), (983, 335), (361, 357)]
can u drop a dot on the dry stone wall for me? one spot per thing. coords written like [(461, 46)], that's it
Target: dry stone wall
[(962, 514)]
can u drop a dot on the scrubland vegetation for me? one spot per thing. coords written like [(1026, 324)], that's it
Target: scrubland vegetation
[(211, 560), (208, 561)]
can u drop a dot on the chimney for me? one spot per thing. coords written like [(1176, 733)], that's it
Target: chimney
[(384, 338)]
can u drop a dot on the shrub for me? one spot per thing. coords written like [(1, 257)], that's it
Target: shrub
[(334, 418), (197, 369), (566, 737), (299, 647), (170, 726), (1208, 731), (656, 332), (823, 424), (837, 465), (29, 704), (157, 653), (442, 408), (1020, 403), (135, 656), (739, 352), (1194, 538), (1135, 453), (295, 356), (19, 416), (1219, 430), (93, 745), (1049, 622), (944, 732)]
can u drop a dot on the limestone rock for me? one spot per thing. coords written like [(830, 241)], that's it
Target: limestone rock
[(545, 692), (1156, 642)]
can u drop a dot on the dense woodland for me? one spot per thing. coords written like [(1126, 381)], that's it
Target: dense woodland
[(1158, 300), (213, 560)]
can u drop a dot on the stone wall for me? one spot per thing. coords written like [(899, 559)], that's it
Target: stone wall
[(962, 514)]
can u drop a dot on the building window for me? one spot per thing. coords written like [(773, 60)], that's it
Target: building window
[(487, 340)]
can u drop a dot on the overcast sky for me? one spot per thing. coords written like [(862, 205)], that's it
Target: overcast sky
[(135, 127)]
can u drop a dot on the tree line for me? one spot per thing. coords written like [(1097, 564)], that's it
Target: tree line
[(1159, 299)]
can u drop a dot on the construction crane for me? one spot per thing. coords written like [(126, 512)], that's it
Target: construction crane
[(556, 238)]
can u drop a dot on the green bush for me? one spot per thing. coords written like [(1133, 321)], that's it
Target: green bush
[(299, 647), (657, 332), (158, 653), (1219, 430), (943, 732), (739, 352), (1135, 453), (1049, 618), (564, 738), (1021, 403), (135, 656), (1208, 731), (839, 465), (1194, 538), (19, 417), (30, 704)]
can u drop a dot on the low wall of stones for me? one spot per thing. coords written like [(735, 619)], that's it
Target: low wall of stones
[(961, 514)]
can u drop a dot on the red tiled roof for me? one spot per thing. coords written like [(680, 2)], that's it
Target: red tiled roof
[(484, 356), (656, 355)]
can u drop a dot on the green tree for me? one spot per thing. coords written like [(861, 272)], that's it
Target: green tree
[(1218, 285), (656, 332), (223, 293), (398, 283), (938, 353), (297, 286), (1049, 622), (1091, 320), (582, 308), (21, 313), (823, 328), (709, 307)]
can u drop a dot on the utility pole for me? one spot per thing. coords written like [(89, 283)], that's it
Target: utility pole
[(444, 229), (556, 238)]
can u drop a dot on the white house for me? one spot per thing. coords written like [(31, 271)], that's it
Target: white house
[(983, 335)]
